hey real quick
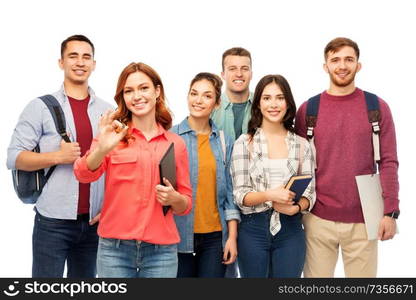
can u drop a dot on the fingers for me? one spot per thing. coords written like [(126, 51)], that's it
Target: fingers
[(167, 182), (118, 126), (229, 257), (95, 219)]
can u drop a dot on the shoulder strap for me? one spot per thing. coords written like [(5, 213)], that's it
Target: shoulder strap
[(222, 138), (57, 115), (312, 114), (301, 156), (59, 119), (373, 112)]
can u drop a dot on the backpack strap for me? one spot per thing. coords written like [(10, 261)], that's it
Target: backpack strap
[(59, 119), (301, 156), (222, 138), (312, 110), (57, 114), (373, 111)]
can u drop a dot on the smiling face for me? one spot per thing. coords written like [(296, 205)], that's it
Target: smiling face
[(140, 95), (77, 62), (201, 99), (237, 73), (273, 104), (342, 66)]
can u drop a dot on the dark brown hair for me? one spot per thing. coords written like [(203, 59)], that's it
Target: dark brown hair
[(163, 115), (76, 37), (256, 115), (338, 43), (238, 51), (215, 80)]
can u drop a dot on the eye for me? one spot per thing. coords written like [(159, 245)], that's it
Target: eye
[(127, 91), (144, 88), (193, 94), (266, 98), (281, 98)]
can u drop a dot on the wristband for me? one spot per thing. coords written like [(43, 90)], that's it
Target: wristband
[(300, 207)]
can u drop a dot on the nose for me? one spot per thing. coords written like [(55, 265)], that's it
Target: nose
[(80, 61), (199, 99), (137, 95), (239, 73)]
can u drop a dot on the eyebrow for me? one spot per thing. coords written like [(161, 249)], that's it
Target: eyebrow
[(139, 85), (76, 53)]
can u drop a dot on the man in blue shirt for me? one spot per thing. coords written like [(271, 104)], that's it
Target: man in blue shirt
[(65, 226), (234, 111)]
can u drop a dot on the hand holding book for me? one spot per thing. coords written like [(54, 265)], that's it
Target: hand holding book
[(298, 185)]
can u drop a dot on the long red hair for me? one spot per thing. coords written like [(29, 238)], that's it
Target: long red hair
[(163, 115)]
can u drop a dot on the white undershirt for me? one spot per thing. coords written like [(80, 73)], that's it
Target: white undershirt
[(278, 169)]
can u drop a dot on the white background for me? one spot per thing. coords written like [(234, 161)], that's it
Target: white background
[(182, 38)]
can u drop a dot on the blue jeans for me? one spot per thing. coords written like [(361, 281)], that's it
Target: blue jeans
[(136, 259), (206, 261), (56, 241), (262, 255)]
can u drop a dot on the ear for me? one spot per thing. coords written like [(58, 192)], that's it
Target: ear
[(325, 67), (223, 75), (157, 91), (61, 63), (93, 66), (359, 67)]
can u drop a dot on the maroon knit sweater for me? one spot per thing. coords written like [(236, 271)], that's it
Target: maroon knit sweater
[(343, 140)]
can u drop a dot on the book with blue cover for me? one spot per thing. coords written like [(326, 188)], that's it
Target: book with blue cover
[(298, 185)]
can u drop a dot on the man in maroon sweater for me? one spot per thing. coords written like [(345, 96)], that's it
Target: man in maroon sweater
[(343, 141)]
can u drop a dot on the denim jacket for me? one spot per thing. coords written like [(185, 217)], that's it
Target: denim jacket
[(59, 198), (226, 207)]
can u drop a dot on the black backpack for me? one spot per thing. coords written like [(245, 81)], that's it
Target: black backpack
[(28, 185)]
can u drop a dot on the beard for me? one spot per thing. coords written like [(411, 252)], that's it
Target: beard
[(343, 82)]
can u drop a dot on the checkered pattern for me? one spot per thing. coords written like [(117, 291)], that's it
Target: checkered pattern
[(250, 171)]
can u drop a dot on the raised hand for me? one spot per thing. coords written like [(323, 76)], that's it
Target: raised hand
[(111, 132)]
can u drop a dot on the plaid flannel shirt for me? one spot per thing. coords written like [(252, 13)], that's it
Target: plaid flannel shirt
[(250, 171)]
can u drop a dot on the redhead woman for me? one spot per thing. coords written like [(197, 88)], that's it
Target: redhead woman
[(136, 238)]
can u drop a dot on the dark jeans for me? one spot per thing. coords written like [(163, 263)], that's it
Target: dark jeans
[(262, 255), (57, 241), (206, 261)]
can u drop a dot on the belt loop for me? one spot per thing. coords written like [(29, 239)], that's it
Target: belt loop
[(117, 243)]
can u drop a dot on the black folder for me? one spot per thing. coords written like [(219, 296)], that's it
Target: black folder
[(167, 169)]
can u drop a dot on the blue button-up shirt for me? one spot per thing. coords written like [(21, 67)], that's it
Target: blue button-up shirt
[(59, 198), (226, 206)]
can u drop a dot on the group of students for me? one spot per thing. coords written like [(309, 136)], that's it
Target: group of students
[(101, 210)]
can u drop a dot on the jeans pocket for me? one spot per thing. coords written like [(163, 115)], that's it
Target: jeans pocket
[(107, 243)]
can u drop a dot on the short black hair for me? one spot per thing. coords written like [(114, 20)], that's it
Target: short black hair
[(76, 37)]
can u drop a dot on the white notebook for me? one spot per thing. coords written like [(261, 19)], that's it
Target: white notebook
[(372, 203)]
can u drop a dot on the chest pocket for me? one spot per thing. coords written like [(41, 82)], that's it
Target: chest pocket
[(124, 158), (123, 166)]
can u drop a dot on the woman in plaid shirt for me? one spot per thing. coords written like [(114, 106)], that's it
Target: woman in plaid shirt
[(271, 240)]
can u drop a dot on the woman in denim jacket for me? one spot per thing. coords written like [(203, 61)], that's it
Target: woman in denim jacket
[(209, 233), (271, 240)]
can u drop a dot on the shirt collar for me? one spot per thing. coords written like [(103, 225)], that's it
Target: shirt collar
[(225, 101), (185, 128), (160, 131), (65, 96)]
